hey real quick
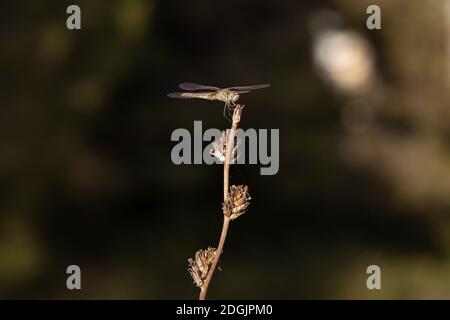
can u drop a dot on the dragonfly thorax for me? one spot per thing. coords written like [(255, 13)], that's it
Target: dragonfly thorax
[(227, 95)]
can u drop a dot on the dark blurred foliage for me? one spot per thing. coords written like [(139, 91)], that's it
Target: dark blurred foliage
[(86, 176)]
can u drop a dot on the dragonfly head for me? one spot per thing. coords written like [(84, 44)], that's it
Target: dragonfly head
[(235, 97)]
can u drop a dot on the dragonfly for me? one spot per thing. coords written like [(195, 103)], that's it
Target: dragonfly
[(227, 95)]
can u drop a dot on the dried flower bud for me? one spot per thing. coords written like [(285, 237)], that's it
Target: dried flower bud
[(237, 114), (237, 202), (219, 149), (199, 267)]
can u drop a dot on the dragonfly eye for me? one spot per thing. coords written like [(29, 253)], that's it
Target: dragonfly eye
[(235, 97)]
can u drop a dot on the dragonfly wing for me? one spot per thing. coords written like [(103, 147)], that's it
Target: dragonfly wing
[(195, 86), (244, 88), (242, 91)]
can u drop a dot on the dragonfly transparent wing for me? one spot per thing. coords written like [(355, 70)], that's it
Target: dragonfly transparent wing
[(242, 91), (195, 86), (244, 88)]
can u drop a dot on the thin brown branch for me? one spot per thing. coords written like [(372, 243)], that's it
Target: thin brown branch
[(226, 187), (223, 236)]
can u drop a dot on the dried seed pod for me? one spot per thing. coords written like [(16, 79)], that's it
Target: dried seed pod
[(199, 267), (237, 202)]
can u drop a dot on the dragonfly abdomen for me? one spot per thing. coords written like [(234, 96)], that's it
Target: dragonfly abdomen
[(200, 95)]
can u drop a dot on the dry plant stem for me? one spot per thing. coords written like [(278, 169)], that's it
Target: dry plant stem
[(223, 236), (226, 178)]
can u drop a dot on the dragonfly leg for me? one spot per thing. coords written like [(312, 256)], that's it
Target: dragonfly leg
[(226, 109), (229, 109)]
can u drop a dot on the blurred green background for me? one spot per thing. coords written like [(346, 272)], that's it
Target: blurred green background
[(86, 176)]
